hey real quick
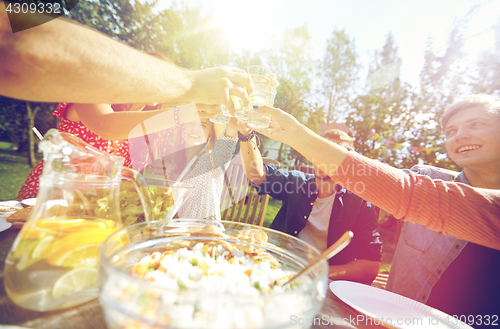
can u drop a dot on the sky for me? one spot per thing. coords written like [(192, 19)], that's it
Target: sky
[(253, 24)]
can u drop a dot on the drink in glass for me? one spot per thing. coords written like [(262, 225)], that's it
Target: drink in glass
[(260, 98), (261, 77), (223, 115), (53, 262)]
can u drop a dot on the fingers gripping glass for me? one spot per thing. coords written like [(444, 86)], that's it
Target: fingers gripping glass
[(223, 114)]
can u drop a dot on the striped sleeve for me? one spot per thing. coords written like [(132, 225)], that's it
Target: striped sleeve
[(456, 209)]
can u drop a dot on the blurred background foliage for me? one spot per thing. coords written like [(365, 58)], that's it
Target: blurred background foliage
[(392, 121)]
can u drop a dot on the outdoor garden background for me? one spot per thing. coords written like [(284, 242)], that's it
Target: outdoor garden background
[(392, 121)]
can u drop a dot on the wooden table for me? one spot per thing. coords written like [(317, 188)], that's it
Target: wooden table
[(89, 315)]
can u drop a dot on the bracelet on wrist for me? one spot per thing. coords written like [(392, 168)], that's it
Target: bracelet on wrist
[(243, 138)]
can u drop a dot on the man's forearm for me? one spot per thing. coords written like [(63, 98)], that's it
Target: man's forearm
[(61, 61), (445, 207), (360, 270), (468, 213), (326, 155)]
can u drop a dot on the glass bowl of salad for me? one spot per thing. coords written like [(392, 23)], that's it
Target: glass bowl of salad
[(208, 274)]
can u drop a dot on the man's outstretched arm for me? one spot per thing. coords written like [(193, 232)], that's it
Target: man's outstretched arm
[(62, 61), (468, 213)]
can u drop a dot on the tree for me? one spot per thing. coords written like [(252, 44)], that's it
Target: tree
[(12, 120), (17, 118), (441, 79), (441, 83), (201, 43), (338, 72), (181, 34), (133, 23), (30, 116), (291, 60), (487, 79), (246, 59), (384, 110)]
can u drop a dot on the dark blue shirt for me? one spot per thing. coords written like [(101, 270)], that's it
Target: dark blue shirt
[(298, 191)]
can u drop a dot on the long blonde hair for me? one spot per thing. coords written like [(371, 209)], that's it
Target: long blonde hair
[(170, 154)]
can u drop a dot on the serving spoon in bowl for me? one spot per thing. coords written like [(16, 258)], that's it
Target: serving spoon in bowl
[(331, 251)]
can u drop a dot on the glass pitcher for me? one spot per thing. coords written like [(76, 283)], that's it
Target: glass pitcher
[(54, 259)]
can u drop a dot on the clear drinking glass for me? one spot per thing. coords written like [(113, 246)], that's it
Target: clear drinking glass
[(260, 98), (261, 77), (223, 115), (264, 82), (166, 196)]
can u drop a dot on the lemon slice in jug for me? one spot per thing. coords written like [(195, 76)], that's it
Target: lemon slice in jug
[(75, 280)]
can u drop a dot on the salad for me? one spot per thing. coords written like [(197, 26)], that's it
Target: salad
[(224, 282)]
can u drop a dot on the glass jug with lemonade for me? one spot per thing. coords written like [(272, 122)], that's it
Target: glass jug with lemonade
[(54, 259)]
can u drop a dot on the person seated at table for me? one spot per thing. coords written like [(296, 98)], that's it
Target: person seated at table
[(453, 275), (318, 211), (472, 127), (211, 155), (111, 135)]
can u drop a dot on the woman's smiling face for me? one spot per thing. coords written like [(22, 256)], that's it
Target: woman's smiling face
[(197, 132)]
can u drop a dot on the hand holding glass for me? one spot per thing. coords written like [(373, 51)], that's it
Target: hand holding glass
[(223, 115), (260, 98), (264, 93)]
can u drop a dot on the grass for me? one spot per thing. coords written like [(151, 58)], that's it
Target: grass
[(272, 210), (388, 237), (14, 170)]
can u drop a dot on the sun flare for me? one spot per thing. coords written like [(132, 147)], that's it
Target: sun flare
[(247, 25)]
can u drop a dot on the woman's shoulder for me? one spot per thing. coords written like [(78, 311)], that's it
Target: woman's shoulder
[(60, 110)]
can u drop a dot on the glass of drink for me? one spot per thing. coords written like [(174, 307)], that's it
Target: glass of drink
[(260, 98), (210, 112), (261, 77), (223, 115), (240, 110), (242, 114)]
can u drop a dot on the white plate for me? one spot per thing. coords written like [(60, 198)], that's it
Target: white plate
[(4, 225), (10, 203), (393, 309), (29, 202)]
